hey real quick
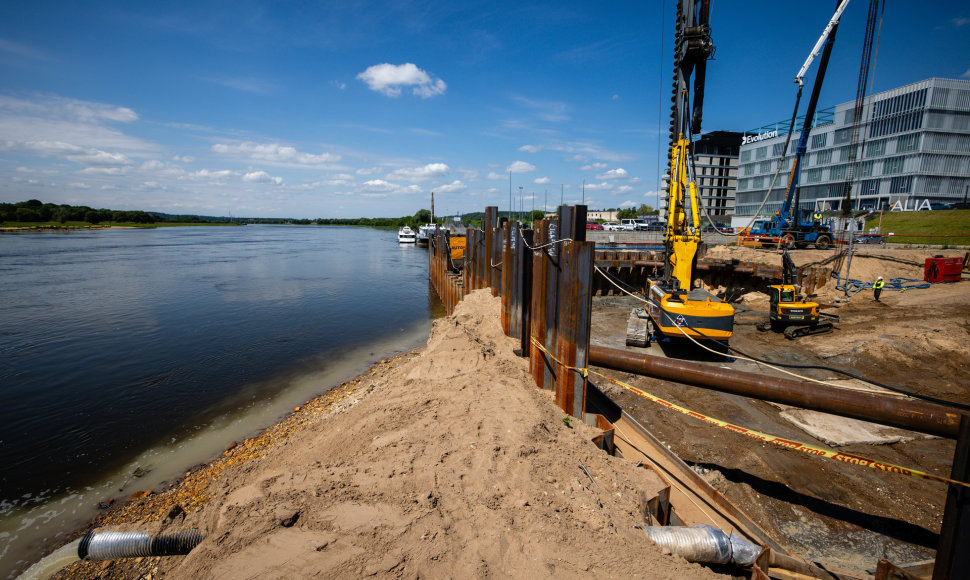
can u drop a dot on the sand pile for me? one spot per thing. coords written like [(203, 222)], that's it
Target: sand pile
[(448, 464)]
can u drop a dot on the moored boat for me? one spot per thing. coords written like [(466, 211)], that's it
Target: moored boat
[(406, 235)]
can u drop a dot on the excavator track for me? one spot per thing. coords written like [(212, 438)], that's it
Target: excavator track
[(793, 332)]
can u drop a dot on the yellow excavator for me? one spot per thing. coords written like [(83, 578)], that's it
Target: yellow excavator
[(791, 313), (675, 307)]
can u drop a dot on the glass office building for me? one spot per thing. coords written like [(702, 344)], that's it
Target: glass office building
[(911, 149)]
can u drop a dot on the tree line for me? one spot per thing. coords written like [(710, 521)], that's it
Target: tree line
[(35, 211)]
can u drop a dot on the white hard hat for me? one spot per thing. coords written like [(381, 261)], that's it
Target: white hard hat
[(879, 278)]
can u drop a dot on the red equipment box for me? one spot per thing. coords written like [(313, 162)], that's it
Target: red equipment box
[(941, 269)]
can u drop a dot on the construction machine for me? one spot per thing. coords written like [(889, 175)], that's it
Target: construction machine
[(791, 313), (794, 226), (675, 307)]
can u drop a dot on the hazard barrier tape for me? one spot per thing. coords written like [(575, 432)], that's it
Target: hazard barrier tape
[(767, 438)]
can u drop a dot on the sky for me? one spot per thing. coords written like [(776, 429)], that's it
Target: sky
[(357, 108)]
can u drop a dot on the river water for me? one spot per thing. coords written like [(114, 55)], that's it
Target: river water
[(145, 352)]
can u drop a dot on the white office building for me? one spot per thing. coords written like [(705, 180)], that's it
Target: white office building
[(911, 150)]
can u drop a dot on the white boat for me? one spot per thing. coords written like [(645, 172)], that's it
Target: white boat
[(425, 233), (406, 235)]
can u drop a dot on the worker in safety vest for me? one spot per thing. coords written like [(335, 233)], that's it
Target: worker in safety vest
[(877, 287), (817, 218)]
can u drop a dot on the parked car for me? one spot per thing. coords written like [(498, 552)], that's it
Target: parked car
[(593, 226), (628, 224), (869, 239), (612, 226)]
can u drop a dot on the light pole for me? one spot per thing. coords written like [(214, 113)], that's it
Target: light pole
[(520, 199)]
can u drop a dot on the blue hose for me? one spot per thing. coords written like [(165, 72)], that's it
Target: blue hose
[(851, 286)]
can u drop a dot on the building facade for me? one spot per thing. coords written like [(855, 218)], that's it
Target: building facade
[(911, 149), (716, 170)]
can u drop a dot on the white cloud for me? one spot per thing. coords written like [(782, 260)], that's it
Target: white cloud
[(966, 75), (624, 188), (629, 203), (207, 175), (594, 167), (598, 186), (520, 167), (79, 185), (183, 159), (493, 175), (455, 186), (541, 181), (368, 170), (82, 155), (378, 186), (275, 154), (468, 174), (529, 148), (618, 173), (262, 177), (105, 170), (429, 171), (389, 79)]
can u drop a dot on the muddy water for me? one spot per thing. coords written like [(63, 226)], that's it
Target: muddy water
[(127, 356)]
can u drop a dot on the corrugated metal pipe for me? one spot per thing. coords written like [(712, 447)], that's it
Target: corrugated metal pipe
[(114, 545), (704, 543), (914, 415)]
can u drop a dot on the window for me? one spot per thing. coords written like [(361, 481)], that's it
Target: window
[(865, 168), (837, 172), (847, 153), (892, 165), (824, 157), (813, 175), (748, 169), (843, 136), (876, 148), (901, 184), (761, 152), (820, 140), (745, 156), (777, 149), (869, 187), (765, 167), (906, 143)]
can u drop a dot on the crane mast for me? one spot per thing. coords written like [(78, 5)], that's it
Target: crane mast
[(675, 308)]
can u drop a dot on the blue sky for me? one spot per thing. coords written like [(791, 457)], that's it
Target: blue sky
[(350, 109)]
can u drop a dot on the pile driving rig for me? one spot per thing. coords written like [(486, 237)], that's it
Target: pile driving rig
[(676, 309)]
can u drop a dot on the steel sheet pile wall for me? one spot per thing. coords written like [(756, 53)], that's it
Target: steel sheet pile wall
[(546, 292), (448, 284)]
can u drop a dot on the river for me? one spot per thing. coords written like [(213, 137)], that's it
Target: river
[(127, 356)]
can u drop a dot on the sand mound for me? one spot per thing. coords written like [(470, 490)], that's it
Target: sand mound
[(449, 464)]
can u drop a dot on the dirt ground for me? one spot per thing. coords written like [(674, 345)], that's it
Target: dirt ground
[(842, 516), (444, 463), (447, 462)]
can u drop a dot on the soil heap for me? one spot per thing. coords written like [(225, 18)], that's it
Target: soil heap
[(446, 463)]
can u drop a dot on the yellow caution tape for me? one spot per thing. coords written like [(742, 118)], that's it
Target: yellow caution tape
[(795, 445)]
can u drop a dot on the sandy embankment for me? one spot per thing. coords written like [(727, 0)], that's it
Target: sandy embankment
[(446, 463)]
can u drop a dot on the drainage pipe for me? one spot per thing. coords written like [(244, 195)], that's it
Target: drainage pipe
[(913, 415), (114, 545)]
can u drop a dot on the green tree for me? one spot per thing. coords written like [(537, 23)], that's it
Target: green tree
[(626, 214), (27, 214), (422, 217), (92, 216)]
